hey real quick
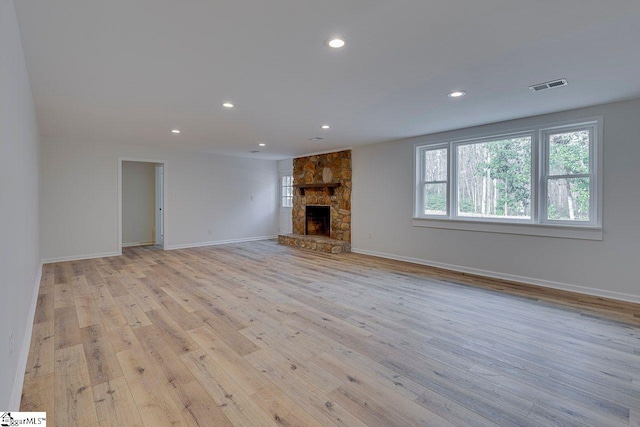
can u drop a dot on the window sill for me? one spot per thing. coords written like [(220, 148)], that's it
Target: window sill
[(544, 230)]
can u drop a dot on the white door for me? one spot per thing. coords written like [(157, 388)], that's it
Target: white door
[(159, 205), (286, 204)]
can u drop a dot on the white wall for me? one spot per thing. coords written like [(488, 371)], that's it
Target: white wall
[(210, 198), (138, 203), (285, 166), (383, 206), (19, 247)]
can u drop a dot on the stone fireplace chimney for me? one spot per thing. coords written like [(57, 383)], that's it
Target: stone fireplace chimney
[(321, 203)]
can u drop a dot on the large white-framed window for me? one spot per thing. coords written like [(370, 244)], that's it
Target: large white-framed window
[(492, 178), (545, 180)]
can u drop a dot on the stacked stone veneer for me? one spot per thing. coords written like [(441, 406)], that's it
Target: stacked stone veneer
[(322, 244), (323, 169)]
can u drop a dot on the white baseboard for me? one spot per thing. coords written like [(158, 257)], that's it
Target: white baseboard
[(168, 248), (23, 357), (130, 245), (220, 242), (509, 277), (79, 257)]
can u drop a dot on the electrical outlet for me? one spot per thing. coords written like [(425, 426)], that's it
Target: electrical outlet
[(371, 235), (210, 231)]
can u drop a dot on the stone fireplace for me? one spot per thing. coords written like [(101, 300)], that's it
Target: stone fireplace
[(321, 211)]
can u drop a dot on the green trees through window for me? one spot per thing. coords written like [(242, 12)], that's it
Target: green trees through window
[(568, 182), (435, 185), (541, 176), (494, 178)]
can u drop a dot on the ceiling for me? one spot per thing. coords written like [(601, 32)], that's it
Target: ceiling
[(121, 71)]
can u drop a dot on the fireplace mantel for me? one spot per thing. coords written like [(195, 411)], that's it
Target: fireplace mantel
[(328, 185)]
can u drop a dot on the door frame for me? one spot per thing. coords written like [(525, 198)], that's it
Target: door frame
[(282, 209), (164, 196), (158, 232)]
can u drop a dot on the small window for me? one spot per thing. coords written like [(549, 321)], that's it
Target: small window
[(286, 191), (568, 176), (434, 181)]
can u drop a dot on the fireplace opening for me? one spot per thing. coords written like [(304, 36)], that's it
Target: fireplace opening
[(318, 221)]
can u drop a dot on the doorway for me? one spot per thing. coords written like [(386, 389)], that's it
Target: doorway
[(286, 203), (141, 197), (159, 225)]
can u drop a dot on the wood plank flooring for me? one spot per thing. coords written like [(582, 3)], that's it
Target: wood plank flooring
[(258, 334)]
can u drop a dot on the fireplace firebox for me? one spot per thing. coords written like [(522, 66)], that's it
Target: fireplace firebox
[(318, 221)]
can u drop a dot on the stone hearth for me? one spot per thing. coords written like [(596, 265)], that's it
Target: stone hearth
[(322, 180), (317, 243)]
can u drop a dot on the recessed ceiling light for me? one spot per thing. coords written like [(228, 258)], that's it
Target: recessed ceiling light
[(325, 127), (262, 144), (335, 43), (457, 94), (175, 130), (227, 105)]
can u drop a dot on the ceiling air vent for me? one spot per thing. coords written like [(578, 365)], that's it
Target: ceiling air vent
[(316, 138), (254, 151), (548, 85)]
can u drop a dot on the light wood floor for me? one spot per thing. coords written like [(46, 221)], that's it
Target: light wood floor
[(261, 334)]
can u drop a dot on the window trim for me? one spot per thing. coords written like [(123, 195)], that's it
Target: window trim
[(421, 183), (594, 168), (538, 225), (453, 171)]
